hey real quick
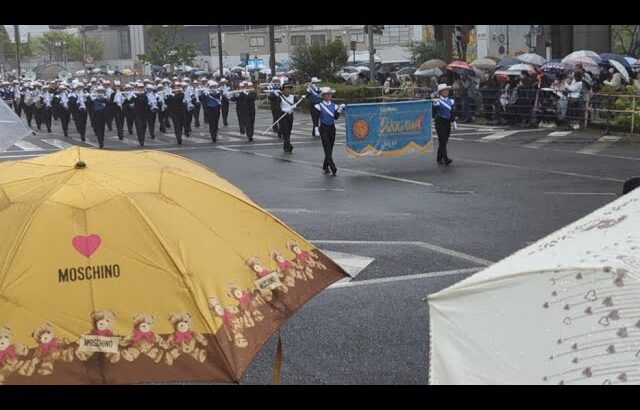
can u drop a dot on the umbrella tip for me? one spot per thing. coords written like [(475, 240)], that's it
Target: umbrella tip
[(80, 165)]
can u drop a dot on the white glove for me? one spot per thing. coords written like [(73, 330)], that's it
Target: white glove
[(341, 108), (455, 125)]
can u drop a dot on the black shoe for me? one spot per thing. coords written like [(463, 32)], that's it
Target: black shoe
[(142, 144), (214, 139), (250, 139), (441, 162), (66, 135), (180, 142), (153, 137), (163, 130), (226, 125), (326, 170), (48, 129), (121, 137), (334, 172), (448, 161), (130, 132), (101, 146)]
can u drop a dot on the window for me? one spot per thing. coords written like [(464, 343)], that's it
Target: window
[(357, 37), (298, 40), (256, 41), (317, 39), (125, 44), (337, 38)]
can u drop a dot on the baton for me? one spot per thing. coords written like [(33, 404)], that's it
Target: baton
[(282, 116)]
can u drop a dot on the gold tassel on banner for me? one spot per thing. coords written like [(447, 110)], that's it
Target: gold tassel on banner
[(277, 364)]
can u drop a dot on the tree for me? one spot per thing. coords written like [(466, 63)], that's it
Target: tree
[(26, 49), (626, 39), (377, 30), (319, 60), (422, 51), (166, 46), (46, 45)]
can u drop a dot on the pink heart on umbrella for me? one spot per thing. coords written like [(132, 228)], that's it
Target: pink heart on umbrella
[(87, 245)]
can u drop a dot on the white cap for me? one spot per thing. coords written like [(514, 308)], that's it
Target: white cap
[(184, 84), (157, 78), (107, 82), (116, 82), (210, 83), (100, 88), (249, 84), (93, 79), (79, 84), (223, 80), (326, 90), (442, 87), (274, 78), (148, 87), (315, 80)]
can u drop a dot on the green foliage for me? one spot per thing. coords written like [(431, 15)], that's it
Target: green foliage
[(166, 46), (319, 60), (45, 45), (626, 103), (626, 39), (26, 49), (424, 51)]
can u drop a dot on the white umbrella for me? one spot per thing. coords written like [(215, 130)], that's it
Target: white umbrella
[(429, 72), (564, 310), (620, 68), (582, 55), (630, 60), (531, 58), (520, 67)]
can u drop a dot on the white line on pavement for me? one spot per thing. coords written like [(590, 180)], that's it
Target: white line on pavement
[(27, 146), (126, 141), (497, 164), (57, 143), (580, 193), (560, 133), (432, 247), (342, 284), (499, 135), (409, 181), (595, 147)]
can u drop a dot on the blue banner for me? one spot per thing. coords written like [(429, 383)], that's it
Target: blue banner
[(390, 128)]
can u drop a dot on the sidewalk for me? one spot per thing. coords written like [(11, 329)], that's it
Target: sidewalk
[(12, 128)]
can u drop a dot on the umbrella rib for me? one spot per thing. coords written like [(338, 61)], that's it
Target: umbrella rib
[(158, 237)]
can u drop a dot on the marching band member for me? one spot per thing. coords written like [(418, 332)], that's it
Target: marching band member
[(249, 109), (175, 109), (444, 118), (188, 108), (141, 109), (212, 101), (18, 97), (287, 101), (45, 109), (78, 108), (111, 109), (313, 93), (153, 109), (196, 90), (28, 102), (64, 113), (328, 112), (274, 102), (100, 101), (239, 105), (91, 89), (225, 90), (117, 101), (127, 107)]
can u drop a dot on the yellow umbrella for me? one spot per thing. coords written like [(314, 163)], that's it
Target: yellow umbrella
[(126, 267)]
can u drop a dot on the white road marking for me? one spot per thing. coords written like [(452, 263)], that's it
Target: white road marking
[(430, 246), (27, 146), (611, 138), (330, 212), (540, 141), (8, 122), (355, 171), (600, 145), (194, 140), (126, 141), (498, 135), (581, 193), (559, 133), (497, 164), (343, 283), (352, 264), (57, 143)]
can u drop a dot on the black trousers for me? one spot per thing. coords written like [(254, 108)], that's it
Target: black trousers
[(196, 114), (249, 122), (18, 108), (43, 116), (328, 138), (315, 119), (286, 124), (275, 114), (225, 111), (151, 123), (178, 124), (130, 116), (443, 129), (109, 115), (141, 127), (162, 119), (90, 114), (65, 117), (28, 111), (118, 116), (100, 120), (80, 119), (240, 114), (188, 116), (212, 116)]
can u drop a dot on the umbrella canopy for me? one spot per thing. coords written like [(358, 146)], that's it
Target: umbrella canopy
[(434, 63), (520, 67), (141, 266), (561, 311), (605, 57), (531, 58), (430, 72), (460, 64), (582, 56), (621, 69), (484, 63), (630, 60), (552, 66), (507, 62)]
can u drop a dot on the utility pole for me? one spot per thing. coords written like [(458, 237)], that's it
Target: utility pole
[(371, 53), (272, 50), (220, 50), (16, 33)]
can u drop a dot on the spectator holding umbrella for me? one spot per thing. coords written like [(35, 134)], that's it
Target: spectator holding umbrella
[(616, 80), (575, 94)]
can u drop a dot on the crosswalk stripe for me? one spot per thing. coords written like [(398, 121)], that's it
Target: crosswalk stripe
[(27, 146), (126, 141), (498, 135), (243, 137), (57, 143), (192, 140)]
